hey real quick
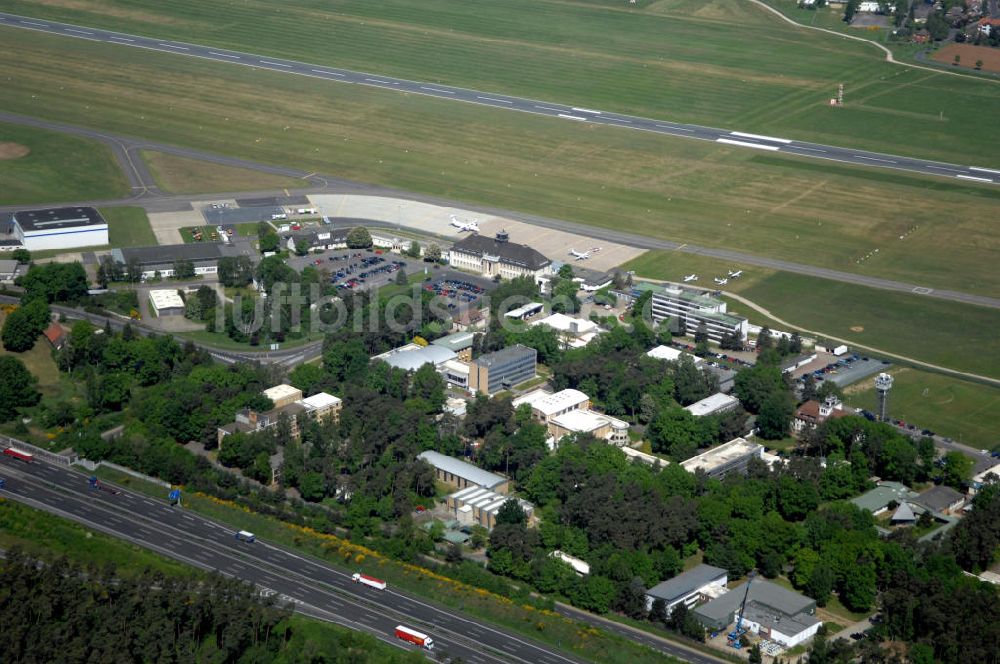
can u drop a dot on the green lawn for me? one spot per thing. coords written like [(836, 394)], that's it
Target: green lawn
[(714, 62), (967, 412), (128, 227), (55, 167), (682, 190), (179, 175), (954, 335)]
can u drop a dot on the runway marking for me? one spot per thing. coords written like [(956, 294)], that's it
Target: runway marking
[(984, 170), (42, 25), (499, 101), (944, 168), (328, 73), (674, 128), (275, 64), (572, 117), (447, 92), (586, 110), (546, 108), (886, 161), (802, 147), (179, 48), (224, 55), (759, 137), (747, 145), (79, 32), (123, 39), (619, 120), (922, 290), (375, 80), (974, 178)]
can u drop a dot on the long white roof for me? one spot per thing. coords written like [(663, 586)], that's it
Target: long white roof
[(548, 403)]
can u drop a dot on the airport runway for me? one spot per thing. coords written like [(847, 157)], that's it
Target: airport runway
[(563, 112), (315, 588)]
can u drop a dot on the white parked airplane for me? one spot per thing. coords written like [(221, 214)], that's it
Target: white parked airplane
[(721, 282), (583, 255), (691, 277), (465, 226), (736, 274)]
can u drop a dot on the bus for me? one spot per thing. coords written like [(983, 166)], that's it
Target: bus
[(19, 454)]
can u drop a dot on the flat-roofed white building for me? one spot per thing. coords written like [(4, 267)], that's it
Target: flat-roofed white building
[(322, 406), (546, 405), (599, 425), (166, 302), (726, 458), (671, 354), (462, 474), (455, 372), (476, 505), (525, 311), (283, 395), (715, 404), (690, 309), (573, 332), (60, 228)]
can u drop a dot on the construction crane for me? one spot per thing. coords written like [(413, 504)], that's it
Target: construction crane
[(736, 636)]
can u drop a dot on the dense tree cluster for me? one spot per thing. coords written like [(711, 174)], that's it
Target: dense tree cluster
[(17, 387), (55, 282)]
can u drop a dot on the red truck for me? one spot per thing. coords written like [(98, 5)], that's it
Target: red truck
[(414, 637), (370, 581), (19, 454)]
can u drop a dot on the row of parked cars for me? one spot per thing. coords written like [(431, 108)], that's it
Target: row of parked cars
[(462, 291)]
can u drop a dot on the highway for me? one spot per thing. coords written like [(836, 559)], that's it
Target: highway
[(567, 113), (316, 589)]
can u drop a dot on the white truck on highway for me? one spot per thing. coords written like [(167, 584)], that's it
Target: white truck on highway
[(370, 581)]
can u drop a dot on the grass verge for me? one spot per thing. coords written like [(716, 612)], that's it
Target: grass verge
[(129, 227), (55, 167), (179, 175), (542, 625)]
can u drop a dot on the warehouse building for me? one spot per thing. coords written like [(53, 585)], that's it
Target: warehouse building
[(60, 228), (459, 343), (503, 369), (715, 404), (772, 612), (162, 259), (731, 457), (498, 256), (166, 302), (689, 310), (412, 356), (462, 474), (689, 588), (476, 505)]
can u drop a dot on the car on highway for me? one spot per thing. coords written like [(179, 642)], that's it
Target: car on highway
[(245, 536)]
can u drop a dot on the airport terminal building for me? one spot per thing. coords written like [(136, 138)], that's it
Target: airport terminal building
[(498, 256)]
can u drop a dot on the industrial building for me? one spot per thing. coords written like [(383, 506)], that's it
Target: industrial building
[(731, 457), (461, 474), (59, 228), (162, 259), (166, 302), (692, 587), (503, 369), (770, 611), (476, 505), (412, 356), (498, 256), (689, 310), (715, 404), (459, 343)]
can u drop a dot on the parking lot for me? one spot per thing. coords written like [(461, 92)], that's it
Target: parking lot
[(457, 290), (841, 371)]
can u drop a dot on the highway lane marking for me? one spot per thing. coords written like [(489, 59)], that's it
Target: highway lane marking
[(886, 161), (328, 73), (274, 64), (759, 137), (546, 108), (974, 178), (744, 144), (179, 48), (123, 39), (224, 55), (663, 126), (572, 117), (447, 92), (984, 170), (586, 110), (499, 101), (79, 32), (189, 518)]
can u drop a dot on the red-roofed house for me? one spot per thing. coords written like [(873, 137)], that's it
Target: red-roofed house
[(988, 25), (56, 334), (813, 413)]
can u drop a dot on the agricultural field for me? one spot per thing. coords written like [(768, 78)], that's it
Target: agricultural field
[(720, 63), (966, 412), (913, 326), (40, 166), (688, 191), (179, 175)]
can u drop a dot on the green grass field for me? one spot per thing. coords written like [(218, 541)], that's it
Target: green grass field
[(967, 412), (714, 62), (179, 175), (55, 168), (954, 335), (683, 190), (39, 362), (128, 227)]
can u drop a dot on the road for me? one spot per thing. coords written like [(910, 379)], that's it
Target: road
[(564, 112), (153, 200), (315, 588)]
